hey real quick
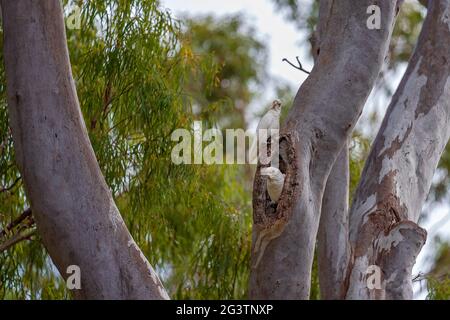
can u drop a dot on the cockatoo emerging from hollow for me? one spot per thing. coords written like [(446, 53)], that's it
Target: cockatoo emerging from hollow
[(275, 182), (270, 121)]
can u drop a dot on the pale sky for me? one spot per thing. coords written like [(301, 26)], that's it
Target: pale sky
[(282, 38), (285, 41)]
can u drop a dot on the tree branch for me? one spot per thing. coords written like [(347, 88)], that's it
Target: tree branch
[(333, 246), (299, 67), (332, 243), (15, 239), (23, 216), (11, 186)]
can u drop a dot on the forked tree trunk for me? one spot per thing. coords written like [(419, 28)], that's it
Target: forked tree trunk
[(381, 229), (324, 113), (75, 214)]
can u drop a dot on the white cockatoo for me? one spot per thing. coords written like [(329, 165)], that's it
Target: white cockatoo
[(270, 121), (275, 182)]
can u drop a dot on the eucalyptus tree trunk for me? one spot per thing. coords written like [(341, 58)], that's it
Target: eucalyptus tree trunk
[(380, 230), (74, 210), (332, 240), (400, 167)]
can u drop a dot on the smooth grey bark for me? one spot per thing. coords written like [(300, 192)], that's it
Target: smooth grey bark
[(400, 167), (324, 113), (75, 214), (333, 247), (320, 31)]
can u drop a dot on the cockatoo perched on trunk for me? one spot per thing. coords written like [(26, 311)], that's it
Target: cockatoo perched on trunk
[(275, 182), (270, 121)]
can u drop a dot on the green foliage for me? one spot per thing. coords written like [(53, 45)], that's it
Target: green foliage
[(218, 236), (406, 32), (438, 289), (439, 189), (359, 150), (438, 280), (314, 293), (242, 58), (303, 14)]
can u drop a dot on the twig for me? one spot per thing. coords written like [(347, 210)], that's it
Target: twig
[(424, 276), (11, 186), (16, 239), (24, 215), (299, 67)]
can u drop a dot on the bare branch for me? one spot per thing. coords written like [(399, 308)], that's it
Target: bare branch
[(11, 186), (22, 217), (15, 239), (299, 67), (323, 115)]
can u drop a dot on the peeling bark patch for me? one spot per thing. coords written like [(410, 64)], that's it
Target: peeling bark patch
[(397, 143), (408, 95), (393, 147), (396, 255), (435, 85), (388, 212), (401, 165)]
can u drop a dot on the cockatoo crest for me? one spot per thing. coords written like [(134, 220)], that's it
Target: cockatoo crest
[(276, 105)]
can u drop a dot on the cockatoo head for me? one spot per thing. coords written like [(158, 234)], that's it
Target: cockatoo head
[(276, 105), (272, 173)]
